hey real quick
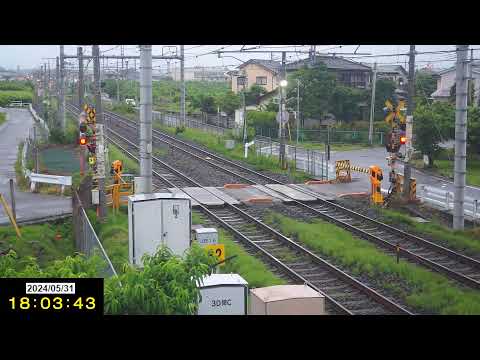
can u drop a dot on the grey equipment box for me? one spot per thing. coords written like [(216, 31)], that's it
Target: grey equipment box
[(223, 294), (286, 300), (155, 220)]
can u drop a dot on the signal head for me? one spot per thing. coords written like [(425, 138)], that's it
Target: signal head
[(83, 140), (403, 139)]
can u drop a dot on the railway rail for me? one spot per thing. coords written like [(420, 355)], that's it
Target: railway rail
[(435, 257), (344, 294)]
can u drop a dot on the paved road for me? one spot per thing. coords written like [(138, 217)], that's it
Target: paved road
[(377, 156), (29, 206)]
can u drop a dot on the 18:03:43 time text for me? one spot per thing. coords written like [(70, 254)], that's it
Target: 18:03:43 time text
[(56, 303)]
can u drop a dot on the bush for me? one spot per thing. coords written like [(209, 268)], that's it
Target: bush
[(6, 97)]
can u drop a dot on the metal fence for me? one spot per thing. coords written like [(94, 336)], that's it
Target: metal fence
[(86, 240), (173, 120), (323, 136), (312, 162)]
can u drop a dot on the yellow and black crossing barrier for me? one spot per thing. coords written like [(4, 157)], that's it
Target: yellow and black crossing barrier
[(342, 171), (360, 169), (413, 189)]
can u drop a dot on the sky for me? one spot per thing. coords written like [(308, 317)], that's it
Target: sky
[(32, 56)]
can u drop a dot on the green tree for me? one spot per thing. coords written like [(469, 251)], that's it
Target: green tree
[(345, 103), (425, 85), (473, 131), (228, 102), (384, 89), (316, 88), (253, 93), (206, 103), (427, 133)]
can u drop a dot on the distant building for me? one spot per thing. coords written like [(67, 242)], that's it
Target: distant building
[(200, 73), (266, 72), (447, 78)]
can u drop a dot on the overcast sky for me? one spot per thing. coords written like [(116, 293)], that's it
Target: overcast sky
[(32, 56)]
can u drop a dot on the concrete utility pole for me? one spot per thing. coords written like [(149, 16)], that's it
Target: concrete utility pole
[(80, 78), (182, 85), (372, 104), (145, 119), (471, 86), (283, 162), (298, 108), (102, 209), (460, 138), (57, 77), (61, 95), (407, 171)]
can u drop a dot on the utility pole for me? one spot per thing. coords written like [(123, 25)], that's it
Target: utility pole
[(372, 104), (182, 85), (298, 108), (407, 171), (471, 86), (145, 119), (61, 95), (57, 77), (80, 77), (460, 138), (100, 152), (282, 159)]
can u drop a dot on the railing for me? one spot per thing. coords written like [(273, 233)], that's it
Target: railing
[(49, 179), (444, 200), (86, 240), (38, 119), (173, 120), (313, 162), (323, 136), (19, 104)]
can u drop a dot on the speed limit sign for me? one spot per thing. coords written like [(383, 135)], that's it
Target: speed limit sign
[(217, 250)]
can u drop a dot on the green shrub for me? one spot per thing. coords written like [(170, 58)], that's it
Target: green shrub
[(6, 97)]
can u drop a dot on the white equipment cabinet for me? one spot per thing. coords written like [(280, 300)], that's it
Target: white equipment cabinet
[(223, 294), (155, 220), (206, 236)]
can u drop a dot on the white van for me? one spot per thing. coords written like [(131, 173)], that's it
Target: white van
[(130, 102)]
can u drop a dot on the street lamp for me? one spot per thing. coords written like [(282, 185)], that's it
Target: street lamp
[(283, 83)]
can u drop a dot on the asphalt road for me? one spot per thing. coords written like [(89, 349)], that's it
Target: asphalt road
[(29, 206), (377, 156)]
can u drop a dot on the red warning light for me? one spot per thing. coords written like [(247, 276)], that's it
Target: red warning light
[(83, 141), (403, 140)]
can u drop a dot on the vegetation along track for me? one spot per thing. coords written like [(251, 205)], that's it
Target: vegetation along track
[(344, 294), (435, 257)]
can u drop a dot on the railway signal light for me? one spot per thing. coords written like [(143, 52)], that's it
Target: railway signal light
[(83, 140), (403, 139), (83, 127)]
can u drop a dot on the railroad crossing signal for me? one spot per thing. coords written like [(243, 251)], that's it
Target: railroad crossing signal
[(395, 114), (83, 140), (92, 159)]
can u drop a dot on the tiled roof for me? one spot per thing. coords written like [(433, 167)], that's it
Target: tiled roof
[(272, 65), (331, 62)]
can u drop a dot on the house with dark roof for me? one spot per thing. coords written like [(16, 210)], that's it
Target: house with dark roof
[(348, 72)]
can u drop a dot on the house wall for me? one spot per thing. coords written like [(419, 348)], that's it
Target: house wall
[(448, 79), (251, 72)]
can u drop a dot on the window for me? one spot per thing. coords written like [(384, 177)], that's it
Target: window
[(241, 80), (261, 80)]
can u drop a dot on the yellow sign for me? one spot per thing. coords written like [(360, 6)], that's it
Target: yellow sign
[(91, 160), (217, 250)]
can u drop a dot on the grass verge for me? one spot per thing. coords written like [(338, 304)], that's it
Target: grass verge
[(40, 241), (216, 143), (444, 167), (467, 240), (425, 291), (3, 118)]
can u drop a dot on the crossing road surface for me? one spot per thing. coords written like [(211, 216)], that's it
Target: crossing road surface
[(377, 156), (29, 206)]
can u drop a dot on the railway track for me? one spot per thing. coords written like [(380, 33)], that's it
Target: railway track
[(435, 257), (344, 294)]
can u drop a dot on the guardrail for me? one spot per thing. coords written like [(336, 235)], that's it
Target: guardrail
[(444, 200), (18, 104), (49, 179), (38, 119)]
